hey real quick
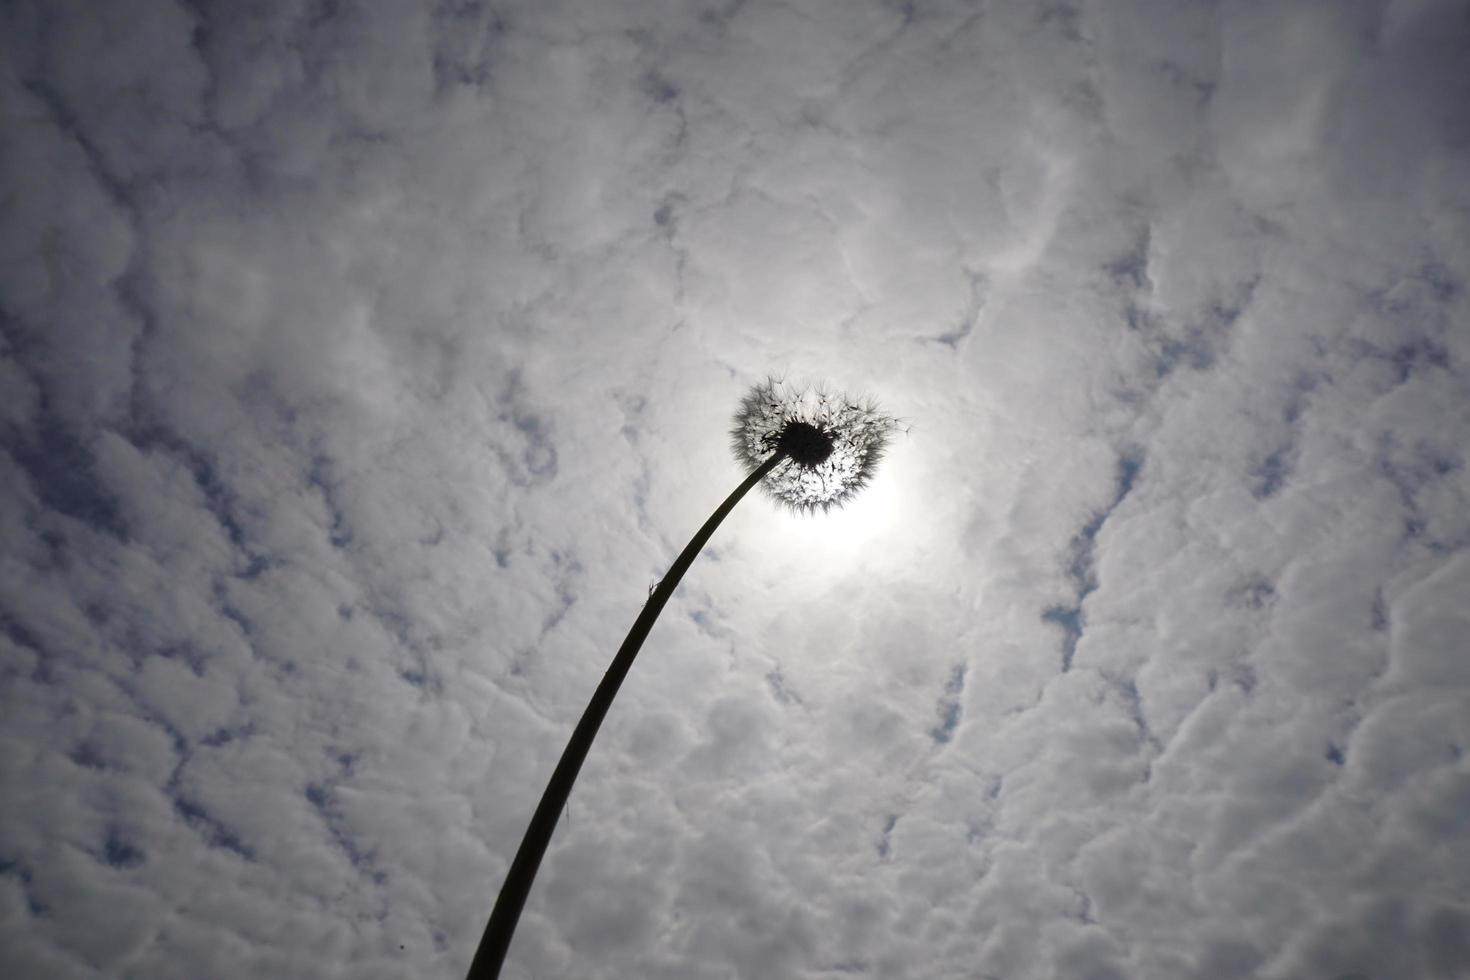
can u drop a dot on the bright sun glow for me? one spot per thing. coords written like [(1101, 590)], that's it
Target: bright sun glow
[(811, 550)]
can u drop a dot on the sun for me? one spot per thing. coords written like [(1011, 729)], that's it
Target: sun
[(838, 507)]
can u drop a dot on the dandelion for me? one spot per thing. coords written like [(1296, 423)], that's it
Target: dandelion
[(832, 443), (811, 449)]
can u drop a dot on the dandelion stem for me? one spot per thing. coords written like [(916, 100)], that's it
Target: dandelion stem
[(507, 911)]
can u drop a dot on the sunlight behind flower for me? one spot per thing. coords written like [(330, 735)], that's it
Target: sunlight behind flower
[(877, 527)]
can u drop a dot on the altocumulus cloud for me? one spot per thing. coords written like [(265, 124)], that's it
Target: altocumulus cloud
[(361, 365)]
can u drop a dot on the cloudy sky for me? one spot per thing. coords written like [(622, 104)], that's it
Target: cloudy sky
[(362, 364)]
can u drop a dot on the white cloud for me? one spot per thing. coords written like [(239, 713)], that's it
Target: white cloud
[(362, 367)]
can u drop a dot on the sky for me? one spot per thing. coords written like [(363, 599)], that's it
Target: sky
[(363, 365)]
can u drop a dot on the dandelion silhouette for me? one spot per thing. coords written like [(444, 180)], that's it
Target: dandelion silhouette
[(811, 449), (832, 443)]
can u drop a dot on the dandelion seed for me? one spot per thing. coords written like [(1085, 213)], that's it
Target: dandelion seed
[(832, 443)]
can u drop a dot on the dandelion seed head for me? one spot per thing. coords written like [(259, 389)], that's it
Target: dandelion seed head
[(832, 442)]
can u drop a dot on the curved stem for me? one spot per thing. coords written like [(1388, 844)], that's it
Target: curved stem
[(507, 911)]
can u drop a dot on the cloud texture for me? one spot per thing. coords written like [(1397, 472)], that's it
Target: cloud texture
[(362, 364)]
